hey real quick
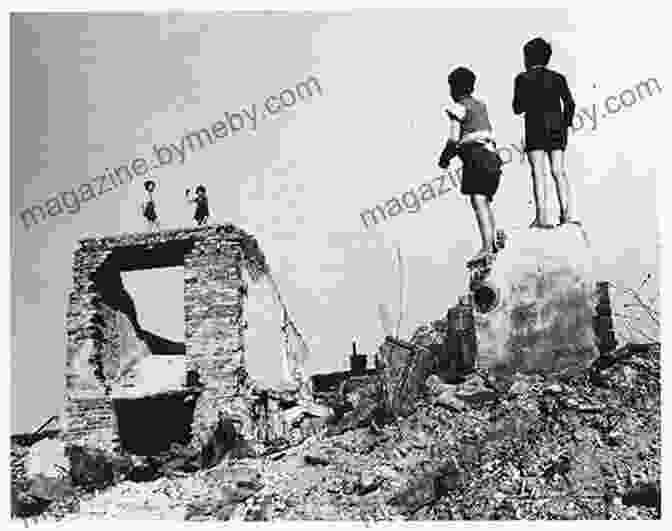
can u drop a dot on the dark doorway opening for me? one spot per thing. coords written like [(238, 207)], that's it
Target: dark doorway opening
[(149, 425)]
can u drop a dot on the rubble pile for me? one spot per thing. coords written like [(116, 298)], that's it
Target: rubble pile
[(17, 462), (283, 417), (22, 502), (572, 445), (34, 493)]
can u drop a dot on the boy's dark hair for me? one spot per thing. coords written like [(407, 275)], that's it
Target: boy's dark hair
[(200, 188), (150, 185), (462, 81), (537, 52)]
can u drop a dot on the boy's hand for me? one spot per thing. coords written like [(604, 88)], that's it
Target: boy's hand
[(448, 153), (450, 114)]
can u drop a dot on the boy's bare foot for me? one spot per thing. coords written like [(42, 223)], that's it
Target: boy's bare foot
[(573, 221), (536, 224), (481, 255)]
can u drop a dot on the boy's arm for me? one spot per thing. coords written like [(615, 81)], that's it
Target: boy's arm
[(456, 111), (568, 105), (518, 96), (454, 131), (450, 151), (456, 114)]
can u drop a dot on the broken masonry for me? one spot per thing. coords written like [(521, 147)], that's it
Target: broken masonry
[(129, 389)]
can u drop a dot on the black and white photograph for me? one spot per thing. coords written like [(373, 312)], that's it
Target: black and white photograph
[(365, 265)]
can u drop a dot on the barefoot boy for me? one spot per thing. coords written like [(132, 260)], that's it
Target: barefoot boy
[(202, 213), (472, 139), (539, 93)]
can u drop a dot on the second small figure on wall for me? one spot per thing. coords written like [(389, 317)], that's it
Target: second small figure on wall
[(202, 213)]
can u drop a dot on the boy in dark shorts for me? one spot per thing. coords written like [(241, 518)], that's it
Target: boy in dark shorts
[(539, 93), (202, 212), (471, 138)]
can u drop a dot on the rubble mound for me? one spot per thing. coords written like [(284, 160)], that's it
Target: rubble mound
[(580, 444)]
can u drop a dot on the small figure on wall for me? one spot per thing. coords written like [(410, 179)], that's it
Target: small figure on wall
[(202, 213), (149, 207)]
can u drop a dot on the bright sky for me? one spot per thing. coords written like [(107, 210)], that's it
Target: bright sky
[(93, 92)]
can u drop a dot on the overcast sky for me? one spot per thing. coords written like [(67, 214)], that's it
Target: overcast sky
[(93, 92)]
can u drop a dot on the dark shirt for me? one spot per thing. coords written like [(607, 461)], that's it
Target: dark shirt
[(538, 93)]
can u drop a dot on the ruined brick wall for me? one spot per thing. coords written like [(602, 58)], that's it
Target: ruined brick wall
[(214, 290), (214, 334)]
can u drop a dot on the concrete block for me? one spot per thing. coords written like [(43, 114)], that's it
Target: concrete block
[(542, 316)]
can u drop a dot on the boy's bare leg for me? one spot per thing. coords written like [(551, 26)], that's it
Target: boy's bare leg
[(491, 217), (485, 220), (562, 187), (537, 161)]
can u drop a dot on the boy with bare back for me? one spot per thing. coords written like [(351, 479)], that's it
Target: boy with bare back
[(545, 99), (471, 138)]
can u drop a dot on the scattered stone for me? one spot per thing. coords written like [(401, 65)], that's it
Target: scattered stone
[(368, 482), (253, 486), (616, 437), (364, 490), (317, 410), (448, 399), (389, 473), (293, 415), (476, 394), (555, 388), (475, 389), (47, 458), (499, 497), (315, 460), (435, 385), (225, 513), (519, 387), (50, 488)]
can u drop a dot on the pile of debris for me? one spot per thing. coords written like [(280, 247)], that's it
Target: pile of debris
[(572, 445), (563, 446), (284, 417)]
